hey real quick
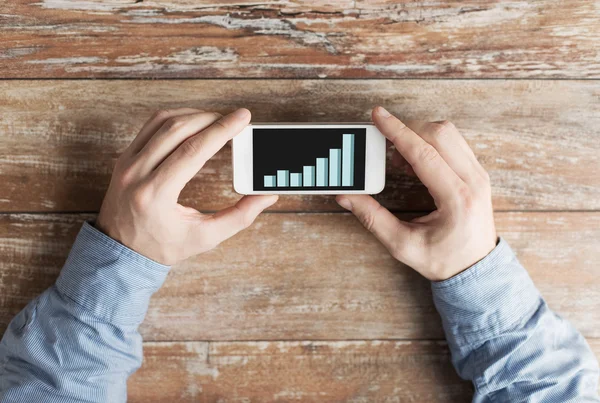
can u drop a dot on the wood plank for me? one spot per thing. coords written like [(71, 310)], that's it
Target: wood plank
[(310, 276), (300, 39), (335, 371), (540, 140)]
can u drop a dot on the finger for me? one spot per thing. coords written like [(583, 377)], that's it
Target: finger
[(463, 143), (469, 150), (390, 231), (451, 145), (185, 162), (153, 124), (228, 222), (169, 136), (441, 181)]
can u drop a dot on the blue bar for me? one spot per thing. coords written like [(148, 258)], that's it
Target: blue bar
[(296, 179), (348, 160), (270, 181), (283, 178), (335, 167), (309, 175), (321, 171)]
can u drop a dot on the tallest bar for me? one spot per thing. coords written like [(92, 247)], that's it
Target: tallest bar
[(348, 160)]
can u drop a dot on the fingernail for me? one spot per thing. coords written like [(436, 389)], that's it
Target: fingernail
[(381, 111), (241, 113), (344, 202)]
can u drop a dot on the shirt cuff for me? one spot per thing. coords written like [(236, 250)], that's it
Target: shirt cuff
[(111, 281), (494, 295)]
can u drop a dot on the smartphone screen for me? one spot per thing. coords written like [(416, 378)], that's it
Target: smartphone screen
[(308, 159)]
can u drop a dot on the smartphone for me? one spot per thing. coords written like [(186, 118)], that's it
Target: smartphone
[(303, 158)]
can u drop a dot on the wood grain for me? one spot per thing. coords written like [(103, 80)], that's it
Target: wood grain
[(338, 371), (342, 371), (310, 276), (300, 39), (336, 318), (540, 140)]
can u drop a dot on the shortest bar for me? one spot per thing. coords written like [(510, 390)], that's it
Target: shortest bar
[(295, 179), (270, 181)]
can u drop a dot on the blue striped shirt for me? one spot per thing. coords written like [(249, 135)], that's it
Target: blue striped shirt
[(78, 341)]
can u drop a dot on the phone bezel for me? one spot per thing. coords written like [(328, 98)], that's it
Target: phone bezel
[(374, 161)]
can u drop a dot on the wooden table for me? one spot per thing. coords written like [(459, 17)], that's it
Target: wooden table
[(305, 305)]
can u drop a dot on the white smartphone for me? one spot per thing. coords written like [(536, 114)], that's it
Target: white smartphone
[(302, 158)]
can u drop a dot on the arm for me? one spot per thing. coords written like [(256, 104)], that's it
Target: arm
[(78, 341), (505, 339), (501, 334)]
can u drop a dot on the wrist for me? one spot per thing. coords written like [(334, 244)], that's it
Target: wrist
[(108, 279), (487, 298), (472, 258), (101, 227)]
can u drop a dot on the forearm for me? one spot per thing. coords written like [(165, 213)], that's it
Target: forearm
[(505, 339), (78, 341)]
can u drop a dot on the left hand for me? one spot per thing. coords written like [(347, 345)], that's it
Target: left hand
[(140, 208)]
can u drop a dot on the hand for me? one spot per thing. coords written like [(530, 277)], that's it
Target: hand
[(140, 208), (461, 231)]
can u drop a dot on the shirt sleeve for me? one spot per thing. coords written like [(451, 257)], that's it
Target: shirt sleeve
[(505, 339), (78, 341)]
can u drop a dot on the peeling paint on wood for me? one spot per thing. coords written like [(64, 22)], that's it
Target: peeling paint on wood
[(262, 285), (318, 320), (539, 140), (302, 39)]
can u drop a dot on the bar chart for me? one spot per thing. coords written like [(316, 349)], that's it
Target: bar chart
[(335, 170), (305, 159)]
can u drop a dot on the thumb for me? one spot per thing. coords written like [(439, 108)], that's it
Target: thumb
[(390, 231), (228, 222)]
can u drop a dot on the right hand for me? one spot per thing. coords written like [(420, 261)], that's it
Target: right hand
[(461, 231)]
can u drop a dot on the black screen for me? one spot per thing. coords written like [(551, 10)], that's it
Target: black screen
[(309, 159)]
